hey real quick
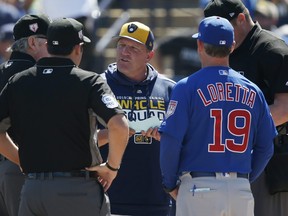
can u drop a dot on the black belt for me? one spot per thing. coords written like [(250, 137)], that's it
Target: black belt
[(213, 174), (51, 175)]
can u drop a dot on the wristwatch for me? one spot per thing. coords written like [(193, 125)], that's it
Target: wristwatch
[(111, 168)]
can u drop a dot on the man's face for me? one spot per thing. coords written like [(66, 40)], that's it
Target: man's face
[(131, 56)]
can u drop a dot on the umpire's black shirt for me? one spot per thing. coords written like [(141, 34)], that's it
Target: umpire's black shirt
[(48, 106), (263, 58), (18, 62)]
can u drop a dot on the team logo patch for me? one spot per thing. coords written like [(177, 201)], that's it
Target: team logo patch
[(47, 71), (140, 139), (171, 108), (222, 42), (80, 34), (132, 28), (33, 27), (110, 101), (223, 72)]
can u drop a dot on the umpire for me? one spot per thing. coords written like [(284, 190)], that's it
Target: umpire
[(53, 109), (29, 33)]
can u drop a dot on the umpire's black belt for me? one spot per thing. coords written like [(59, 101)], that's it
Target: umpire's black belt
[(51, 175), (213, 174)]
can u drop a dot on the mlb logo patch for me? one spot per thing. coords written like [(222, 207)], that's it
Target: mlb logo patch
[(80, 34), (33, 27), (171, 108)]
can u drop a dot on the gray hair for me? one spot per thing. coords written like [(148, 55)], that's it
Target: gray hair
[(20, 45)]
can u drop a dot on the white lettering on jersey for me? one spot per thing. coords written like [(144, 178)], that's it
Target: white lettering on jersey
[(227, 91)]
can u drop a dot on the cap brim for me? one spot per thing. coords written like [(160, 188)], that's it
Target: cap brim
[(196, 35), (86, 39), (118, 37)]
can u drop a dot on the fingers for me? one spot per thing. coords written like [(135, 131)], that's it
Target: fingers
[(131, 132), (105, 176), (105, 184), (152, 132)]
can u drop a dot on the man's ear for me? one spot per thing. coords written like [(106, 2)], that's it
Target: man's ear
[(31, 42), (200, 45), (78, 49), (240, 18), (150, 55)]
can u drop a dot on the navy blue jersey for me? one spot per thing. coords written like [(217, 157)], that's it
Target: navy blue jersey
[(217, 121), (137, 190)]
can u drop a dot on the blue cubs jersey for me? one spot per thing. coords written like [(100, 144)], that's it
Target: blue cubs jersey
[(217, 121)]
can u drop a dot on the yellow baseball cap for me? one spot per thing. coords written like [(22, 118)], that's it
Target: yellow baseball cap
[(138, 32)]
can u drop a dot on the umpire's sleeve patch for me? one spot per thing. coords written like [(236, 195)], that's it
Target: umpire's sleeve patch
[(110, 101), (171, 108)]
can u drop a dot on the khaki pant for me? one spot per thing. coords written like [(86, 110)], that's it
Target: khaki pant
[(217, 196)]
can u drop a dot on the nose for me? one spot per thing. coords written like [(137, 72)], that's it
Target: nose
[(126, 50)]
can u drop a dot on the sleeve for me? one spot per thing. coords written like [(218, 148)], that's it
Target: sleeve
[(263, 144), (4, 114), (275, 67), (173, 130), (103, 101)]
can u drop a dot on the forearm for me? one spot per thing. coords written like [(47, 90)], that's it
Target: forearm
[(102, 136), (279, 109), (118, 131), (8, 148)]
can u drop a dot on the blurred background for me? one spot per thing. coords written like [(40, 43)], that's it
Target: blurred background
[(172, 22)]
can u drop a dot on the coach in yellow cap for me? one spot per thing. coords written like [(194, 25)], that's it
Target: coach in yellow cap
[(143, 94)]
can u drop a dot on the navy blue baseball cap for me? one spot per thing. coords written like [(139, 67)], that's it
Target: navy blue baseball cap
[(216, 31)]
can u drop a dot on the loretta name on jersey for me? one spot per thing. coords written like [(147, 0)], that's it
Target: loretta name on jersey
[(227, 91)]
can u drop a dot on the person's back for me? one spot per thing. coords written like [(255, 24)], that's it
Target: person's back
[(262, 57), (53, 109), (28, 47), (224, 132)]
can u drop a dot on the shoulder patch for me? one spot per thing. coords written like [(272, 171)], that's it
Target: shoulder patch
[(171, 108), (109, 101)]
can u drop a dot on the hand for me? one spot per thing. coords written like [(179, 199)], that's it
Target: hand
[(105, 175), (152, 132), (174, 193), (131, 132)]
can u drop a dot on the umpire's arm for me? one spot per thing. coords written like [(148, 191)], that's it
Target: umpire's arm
[(8, 148)]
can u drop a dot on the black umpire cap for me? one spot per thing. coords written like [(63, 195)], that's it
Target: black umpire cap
[(29, 25), (228, 9), (65, 32)]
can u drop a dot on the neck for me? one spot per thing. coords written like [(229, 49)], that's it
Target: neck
[(136, 77), (212, 61)]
